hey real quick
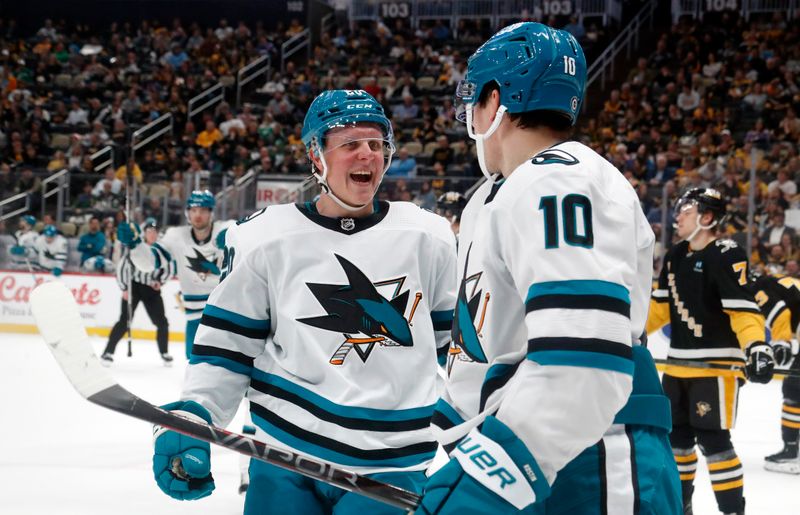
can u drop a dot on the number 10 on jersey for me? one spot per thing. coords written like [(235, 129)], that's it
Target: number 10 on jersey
[(576, 211)]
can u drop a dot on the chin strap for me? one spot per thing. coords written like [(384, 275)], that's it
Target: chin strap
[(322, 180), (700, 227), (480, 138)]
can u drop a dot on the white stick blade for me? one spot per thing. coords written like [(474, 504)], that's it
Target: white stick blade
[(59, 322)]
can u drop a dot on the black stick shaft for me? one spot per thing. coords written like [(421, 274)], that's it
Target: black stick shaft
[(121, 400), (718, 366)]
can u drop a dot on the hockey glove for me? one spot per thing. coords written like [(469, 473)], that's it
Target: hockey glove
[(57, 272), (181, 464), (784, 352), (17, 250), (760, 363), (490, 471), (129, 234)]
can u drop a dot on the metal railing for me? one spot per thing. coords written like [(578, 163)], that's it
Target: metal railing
[(210, 97), (261, 66), (19, 197), (628, 39), (61, 190), (232, 200), (102, 159), (294, 44), (327, 23)]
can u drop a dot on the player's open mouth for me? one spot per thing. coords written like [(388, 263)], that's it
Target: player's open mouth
[(361, 176)]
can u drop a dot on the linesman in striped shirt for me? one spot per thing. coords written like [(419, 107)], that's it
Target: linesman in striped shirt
[(703, 293), (145, 287)]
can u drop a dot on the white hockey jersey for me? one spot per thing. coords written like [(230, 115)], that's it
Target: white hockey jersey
[(52, 254), (27, 240), (555, 265), (197, 263), (335, 329)]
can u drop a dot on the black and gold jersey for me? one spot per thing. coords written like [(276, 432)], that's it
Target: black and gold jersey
[(779, 300), (713, 315)]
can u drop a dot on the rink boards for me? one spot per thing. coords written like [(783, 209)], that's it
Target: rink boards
[(98, 298)]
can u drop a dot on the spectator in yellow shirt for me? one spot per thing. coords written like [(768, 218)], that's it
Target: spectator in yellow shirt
[(122, 172), (209, 136)]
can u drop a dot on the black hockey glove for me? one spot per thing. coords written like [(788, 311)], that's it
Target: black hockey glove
[(784, 352), (760, 363)]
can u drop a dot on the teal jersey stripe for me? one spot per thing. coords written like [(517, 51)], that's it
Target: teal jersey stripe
[(159, 248), (448, 412), (236, 318), (573, 358), (580, 287), (331, 455), (442, 316), (194, 298), (219, 361), (388, 415)]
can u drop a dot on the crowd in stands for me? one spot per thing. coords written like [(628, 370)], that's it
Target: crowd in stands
[(710, 102), (715, 99)]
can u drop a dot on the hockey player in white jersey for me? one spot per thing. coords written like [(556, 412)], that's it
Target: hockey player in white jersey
[(548, 408), (51, 251), (332, 317), (23, 252), (196, 249)]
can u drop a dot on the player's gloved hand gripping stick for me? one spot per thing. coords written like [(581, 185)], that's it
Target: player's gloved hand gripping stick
[(60, 324)]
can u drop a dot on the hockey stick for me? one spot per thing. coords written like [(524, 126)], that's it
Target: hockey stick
[(719, 366), (128, 186), (59, 322)]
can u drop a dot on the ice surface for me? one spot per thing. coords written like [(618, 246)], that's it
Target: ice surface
[(60, 454)]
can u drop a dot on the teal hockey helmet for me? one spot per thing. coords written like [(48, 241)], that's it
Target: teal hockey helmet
[(535, 67), (341, 108), (201, 198), (28, 219), (50, 231)]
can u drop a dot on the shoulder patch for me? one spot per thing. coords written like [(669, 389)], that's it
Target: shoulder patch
[(250, 216), (554, 156), (726, 245)]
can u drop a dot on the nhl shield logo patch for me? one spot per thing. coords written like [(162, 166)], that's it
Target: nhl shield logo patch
[(348, 224)]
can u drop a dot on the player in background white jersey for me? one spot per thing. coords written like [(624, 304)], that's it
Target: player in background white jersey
[(23, 252), (196, 249), (548, 408), (332, 317), (51, 251)]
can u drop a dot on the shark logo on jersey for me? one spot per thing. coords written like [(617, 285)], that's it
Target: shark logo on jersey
[(466, 345), (362, 314), (554, 156), (202, 266)]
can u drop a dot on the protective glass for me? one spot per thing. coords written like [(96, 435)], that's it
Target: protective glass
[(683, 205)]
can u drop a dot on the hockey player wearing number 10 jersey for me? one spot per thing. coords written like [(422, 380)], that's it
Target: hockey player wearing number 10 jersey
[(548, 409), (332, 317)]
